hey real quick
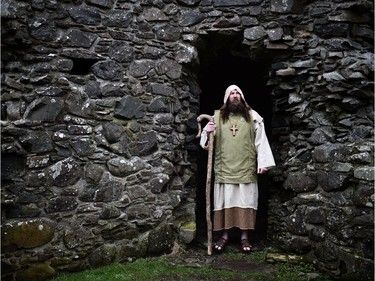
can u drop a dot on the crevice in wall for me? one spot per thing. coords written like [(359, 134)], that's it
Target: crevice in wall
[(82, 66)]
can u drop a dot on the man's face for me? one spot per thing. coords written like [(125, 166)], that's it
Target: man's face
[(234, 97)]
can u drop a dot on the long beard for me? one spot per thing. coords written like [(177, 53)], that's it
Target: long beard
[(235, 108)]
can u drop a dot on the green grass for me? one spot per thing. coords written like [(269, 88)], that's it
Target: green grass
[(157, 269)]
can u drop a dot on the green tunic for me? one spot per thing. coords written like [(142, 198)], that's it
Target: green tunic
[(235, 156)]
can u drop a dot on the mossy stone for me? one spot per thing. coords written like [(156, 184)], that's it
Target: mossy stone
[(37, 272), (188, 231), (27, 234)]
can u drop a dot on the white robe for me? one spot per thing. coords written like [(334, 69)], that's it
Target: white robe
[(244, 195)]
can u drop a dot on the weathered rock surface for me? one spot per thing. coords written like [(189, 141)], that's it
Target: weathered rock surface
[(98, 124)]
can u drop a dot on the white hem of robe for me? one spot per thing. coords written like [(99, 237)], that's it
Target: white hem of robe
[(244, 195)]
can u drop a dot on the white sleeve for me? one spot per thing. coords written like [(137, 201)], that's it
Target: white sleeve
[(264, 152), (204, 140)]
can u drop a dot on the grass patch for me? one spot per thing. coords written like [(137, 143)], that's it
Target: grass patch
[(157, 269)]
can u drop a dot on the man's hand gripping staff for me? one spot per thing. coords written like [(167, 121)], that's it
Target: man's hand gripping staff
[(210, 125)]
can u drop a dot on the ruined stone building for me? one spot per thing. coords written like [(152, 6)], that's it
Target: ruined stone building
[(100, 161)]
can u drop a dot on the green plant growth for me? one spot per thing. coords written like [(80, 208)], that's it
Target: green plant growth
[(168, 100), (155, 269)]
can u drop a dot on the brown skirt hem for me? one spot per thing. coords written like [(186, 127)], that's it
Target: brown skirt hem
[(242, 218)]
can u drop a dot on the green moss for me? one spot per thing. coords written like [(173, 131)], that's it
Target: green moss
[(334, 115), (27, 234), (168, 100), (190, 226), (37, 272)]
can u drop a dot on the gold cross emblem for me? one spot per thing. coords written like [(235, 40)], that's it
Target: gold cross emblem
[(234, 129)]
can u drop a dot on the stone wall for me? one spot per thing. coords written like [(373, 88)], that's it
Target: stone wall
[(99, 106)]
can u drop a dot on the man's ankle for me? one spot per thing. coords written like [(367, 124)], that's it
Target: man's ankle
[(244, 235)]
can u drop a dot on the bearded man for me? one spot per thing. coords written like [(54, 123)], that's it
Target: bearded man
[(241, 151)]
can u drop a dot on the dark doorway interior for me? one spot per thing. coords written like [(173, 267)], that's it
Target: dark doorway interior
[(219, 68)]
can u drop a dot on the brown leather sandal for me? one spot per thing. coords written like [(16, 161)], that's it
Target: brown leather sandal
[(220, 244), (246, 246)]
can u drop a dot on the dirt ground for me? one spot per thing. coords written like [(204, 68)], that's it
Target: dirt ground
[(231, 259)]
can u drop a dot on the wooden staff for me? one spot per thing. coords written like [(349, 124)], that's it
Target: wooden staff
[(208, 181)]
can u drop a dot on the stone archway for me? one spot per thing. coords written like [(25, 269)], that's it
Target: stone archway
[(225, 61)]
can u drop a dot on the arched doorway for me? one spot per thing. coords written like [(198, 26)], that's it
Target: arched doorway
[(222, 63)]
